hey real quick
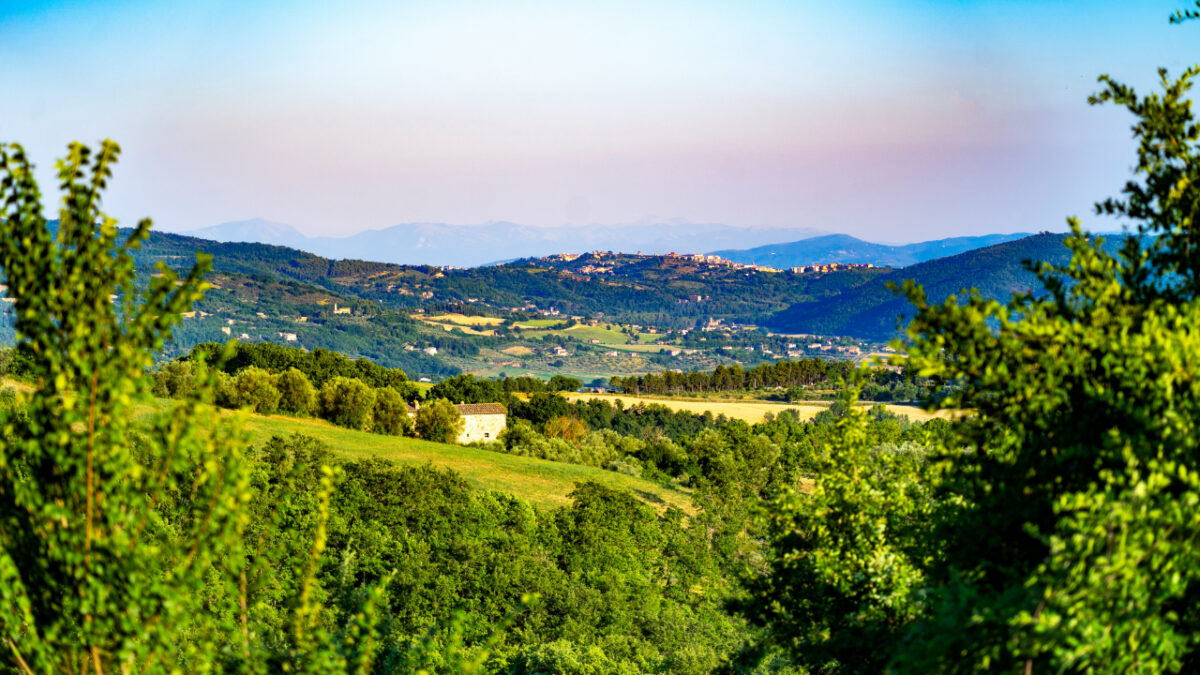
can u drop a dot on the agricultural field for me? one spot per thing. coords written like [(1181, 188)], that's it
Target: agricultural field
[(645, 349), (537, 323), (607, 334), (461, 323), (464, 320), (749, 411)]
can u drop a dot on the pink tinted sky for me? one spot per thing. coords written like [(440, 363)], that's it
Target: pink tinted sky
[(890, 121)]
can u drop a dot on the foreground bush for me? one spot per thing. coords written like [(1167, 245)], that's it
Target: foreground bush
[(1056, 528), (125, 550)]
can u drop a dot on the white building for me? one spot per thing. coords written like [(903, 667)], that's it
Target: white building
[(482, 421)]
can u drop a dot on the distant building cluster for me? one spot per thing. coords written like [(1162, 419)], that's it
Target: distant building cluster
[(718, 261), (831, 267)]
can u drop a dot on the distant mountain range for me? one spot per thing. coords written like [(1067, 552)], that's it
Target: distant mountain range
[(473, 245), (844, 248)]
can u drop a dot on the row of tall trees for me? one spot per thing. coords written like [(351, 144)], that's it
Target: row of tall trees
[(346, 401), (784, 374)]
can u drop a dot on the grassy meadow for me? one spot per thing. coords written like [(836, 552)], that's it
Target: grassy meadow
[(540, 482)]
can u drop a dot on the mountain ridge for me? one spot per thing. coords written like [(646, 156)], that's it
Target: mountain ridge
[(872, 311), (473, 245), (831, 248)]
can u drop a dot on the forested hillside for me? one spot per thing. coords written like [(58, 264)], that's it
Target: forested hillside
[(842, 248), (659, 290), (875, 312)]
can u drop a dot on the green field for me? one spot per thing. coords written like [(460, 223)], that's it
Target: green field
[(539, 482), (608, 334), (538, 323), (605, 333)]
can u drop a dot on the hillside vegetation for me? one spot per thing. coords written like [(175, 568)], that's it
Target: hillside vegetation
[(875, 312), (842, 248)]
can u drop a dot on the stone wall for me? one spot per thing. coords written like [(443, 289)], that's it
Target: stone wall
[(484, 428)]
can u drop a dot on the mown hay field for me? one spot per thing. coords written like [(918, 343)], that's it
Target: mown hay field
[(464, 320)]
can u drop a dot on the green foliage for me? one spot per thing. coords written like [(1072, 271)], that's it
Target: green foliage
[(390, 415), (150, 548), (798, 373), (564, 383), (1186, 14), (91, 574), (467, 388), (175, 379), (1084, 438), (438, 420), (1056, 528), (842, 556), (254, 388), (347, 402), (296, 393)]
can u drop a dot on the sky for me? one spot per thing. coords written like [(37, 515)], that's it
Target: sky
[(894, 121)]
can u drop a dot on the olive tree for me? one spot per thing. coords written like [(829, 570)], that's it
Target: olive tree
[(390, 415), (254, 388)]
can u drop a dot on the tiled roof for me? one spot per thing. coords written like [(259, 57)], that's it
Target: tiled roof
[(481, 409)]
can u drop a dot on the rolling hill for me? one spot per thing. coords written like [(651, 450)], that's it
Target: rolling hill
[(846, 249), (657, 290)]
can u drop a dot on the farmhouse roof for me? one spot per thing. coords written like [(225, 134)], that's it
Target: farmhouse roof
[(481, 409)]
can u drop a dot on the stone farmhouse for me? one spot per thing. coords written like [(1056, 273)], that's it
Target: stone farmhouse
[(482, 421)]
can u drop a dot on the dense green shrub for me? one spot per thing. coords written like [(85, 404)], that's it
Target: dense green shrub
[(438, 420), (175, 379), (390, 415), (296, 394), (254, 388), (347, 402)]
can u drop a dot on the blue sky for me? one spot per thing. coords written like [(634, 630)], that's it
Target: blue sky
[(894, 121)]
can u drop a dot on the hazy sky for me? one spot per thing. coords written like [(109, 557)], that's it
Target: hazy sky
[(895, 121)]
